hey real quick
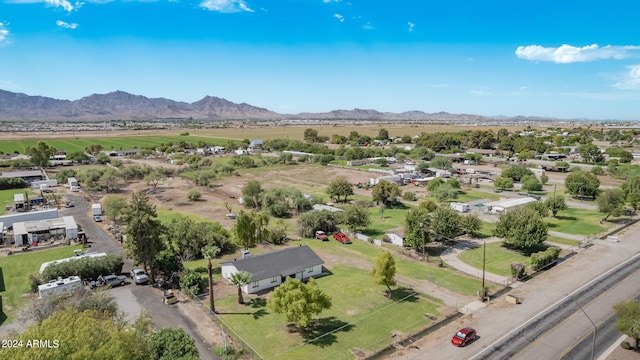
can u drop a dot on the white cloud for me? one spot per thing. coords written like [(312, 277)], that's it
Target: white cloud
[(65, 4), (339, 17), (411, 26), (226, 6), (631, 80), (3, 32), (66, 25), (330, 1), (569, 54), (367, 26)]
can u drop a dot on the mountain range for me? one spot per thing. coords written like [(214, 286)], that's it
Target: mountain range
[(120, 105)]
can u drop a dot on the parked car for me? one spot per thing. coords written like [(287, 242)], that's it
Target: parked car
[(111, 280), (341, 237), (320, 235), (97, 218), (169, 298), (464, 336), (139, 276)]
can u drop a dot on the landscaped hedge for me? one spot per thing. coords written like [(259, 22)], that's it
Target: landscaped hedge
[(12, 183), (85, 268), (543, 258)]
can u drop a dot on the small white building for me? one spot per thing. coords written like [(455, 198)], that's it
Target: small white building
[(27, 232), (272, 269), (503, 206), (459, 207), (395, 236), (58, 286)]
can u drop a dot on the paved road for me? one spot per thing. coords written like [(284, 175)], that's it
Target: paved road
[(499, 318)]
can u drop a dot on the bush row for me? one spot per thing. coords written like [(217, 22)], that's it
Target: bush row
[(543, 258), (85, 268)]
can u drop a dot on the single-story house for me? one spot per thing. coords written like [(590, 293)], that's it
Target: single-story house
[(395, 236), (483, 152), (255, 145), (272, 269), (503, 206)]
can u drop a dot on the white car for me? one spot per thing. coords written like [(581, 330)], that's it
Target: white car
[(139, 276)]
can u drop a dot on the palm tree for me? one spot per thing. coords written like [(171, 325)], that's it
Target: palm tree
[(209, 252), (240, 279)]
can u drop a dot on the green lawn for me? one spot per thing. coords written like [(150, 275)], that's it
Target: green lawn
[(14, 276), (115, 143), (498, 259), (366, 317), (391, 218), (486, 230), (472, 195), (560, 240), (578, 221)]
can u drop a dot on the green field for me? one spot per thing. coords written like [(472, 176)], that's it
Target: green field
[(107, 143), (498, 259), (365, 318), (560, 240), (578, 221), (14, 276)]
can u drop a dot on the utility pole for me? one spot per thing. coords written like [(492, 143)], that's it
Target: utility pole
[(422, 231), (484, 262)]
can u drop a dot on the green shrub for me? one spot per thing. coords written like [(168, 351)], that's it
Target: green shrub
[(191, 282), (625, 345), (194, 195), (543, 258), (518, 270), (85, 268), (411, 196)]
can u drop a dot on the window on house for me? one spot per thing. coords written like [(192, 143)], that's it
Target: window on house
[(274, 279), (255, 284)]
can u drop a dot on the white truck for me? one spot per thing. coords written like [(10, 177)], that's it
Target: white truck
[(96, 210), (459, 207)]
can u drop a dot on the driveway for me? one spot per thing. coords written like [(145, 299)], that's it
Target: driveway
[(130, 298)]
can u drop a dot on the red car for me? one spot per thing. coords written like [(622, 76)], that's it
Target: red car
[(320, 235), (464, 336), (341, 237)]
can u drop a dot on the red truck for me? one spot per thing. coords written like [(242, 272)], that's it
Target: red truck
[(341, 237), (320, 235)]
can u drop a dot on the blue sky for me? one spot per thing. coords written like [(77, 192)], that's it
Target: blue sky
[(565, 59)]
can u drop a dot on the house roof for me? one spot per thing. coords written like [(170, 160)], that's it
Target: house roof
[(509, 203), (283, 262)]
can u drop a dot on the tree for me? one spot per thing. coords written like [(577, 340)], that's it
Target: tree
[(628, 319), (631, 191), (154, 178), (385, 192), (94, 149), (40, 155), (143, 231), (299, 301), (445, 222), (556, 203), (384, 271), (209, 252), (441, 162), (516, 172), (80, 335), (311, 135), (445, 192), (417, 222), (251, 228), (113, 206), (582, 184), (356, 217), (591, 153), (611, 202), (503, 183), (169, 344), (63, 175), (102, 158), (109, 180), (78, 156), (470, 225), (434, 184), (521, 228), (325, 220), (531, 183), (240, 279), (383, 134), (251, 194)]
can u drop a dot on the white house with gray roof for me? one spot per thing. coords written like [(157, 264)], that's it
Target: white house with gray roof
[(272, 269)]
